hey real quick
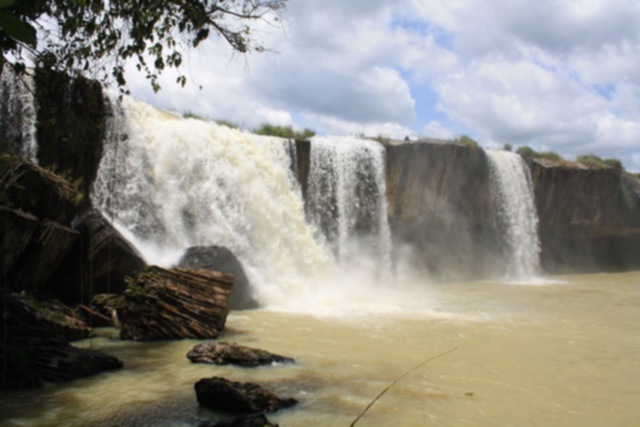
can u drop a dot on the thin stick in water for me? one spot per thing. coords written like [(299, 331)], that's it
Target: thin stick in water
[(397, 380)]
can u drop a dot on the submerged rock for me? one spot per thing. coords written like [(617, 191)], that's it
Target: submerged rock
[(165, 304), (231, 396), (222, 259), (252, 420), (224, 353)]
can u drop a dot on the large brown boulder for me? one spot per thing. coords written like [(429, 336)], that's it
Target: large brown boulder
[(224, 353), (163, 304), (231, 396), (221, 259)]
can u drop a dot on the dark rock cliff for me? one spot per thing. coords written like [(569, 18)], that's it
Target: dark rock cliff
[(589, 218), (440, 209)]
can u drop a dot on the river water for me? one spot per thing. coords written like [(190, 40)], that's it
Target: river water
[(562, 351)]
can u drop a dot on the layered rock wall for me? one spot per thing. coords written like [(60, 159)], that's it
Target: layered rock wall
[(589, 218)]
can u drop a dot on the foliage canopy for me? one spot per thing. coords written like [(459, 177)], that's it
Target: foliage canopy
[(99, 36)]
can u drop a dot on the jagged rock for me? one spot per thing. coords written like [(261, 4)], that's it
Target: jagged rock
[(231, 396), (98, 262), (52, 315), (221, 259), (31, 352), (224, 353), (31, 188), (42, 256), (16, 230), (251, 420), (105, 310), (165, 304)]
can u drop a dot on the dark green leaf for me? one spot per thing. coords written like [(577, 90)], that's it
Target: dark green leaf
[(6, 4), (17, 29)]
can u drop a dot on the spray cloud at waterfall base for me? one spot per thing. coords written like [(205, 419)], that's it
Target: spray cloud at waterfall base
[(171, 183)]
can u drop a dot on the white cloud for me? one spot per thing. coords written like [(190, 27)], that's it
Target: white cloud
[(562, 76)]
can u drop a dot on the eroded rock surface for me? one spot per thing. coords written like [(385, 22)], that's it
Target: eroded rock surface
[(162, 304)]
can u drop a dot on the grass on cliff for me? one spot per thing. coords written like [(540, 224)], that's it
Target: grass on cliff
[(284, 132), (589, 160), (596, 162)]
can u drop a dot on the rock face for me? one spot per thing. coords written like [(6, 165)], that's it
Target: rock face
[(440, 209), (31, 188), (230, 396), (32, 352), (99, 261), (174, 304), (42, 256), (223, 353), (222, 259), (589, 219), (70, 126)]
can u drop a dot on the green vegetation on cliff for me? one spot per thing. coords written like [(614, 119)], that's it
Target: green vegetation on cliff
[(283, 132)]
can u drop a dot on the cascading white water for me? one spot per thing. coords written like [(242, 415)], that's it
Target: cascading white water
[(173, 183), (346, 196), (511, 181), (19, 107)]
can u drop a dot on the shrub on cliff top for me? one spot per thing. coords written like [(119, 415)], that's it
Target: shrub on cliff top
[(594, 161), (525, 152), (283, 132), (468, 142)]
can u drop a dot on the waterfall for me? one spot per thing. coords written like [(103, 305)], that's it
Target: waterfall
[(18, 113), (346, 197), (172, 183), (518, 219)]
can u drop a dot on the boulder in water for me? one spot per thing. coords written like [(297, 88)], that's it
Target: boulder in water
[(224, 353), (32, 350), (222, 259), (251, 420), (165, 304), (231, 396)]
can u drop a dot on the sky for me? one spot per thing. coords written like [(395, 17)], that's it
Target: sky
[(556, 75)]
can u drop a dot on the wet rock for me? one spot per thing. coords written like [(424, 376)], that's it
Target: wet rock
[(222, 259), (223, 353), (70, 126), (31, 188), (163, 304), (52, 315), (252, 420), (32, 351), (45, 251), (98, 263), (16, 230), (231, 396)]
